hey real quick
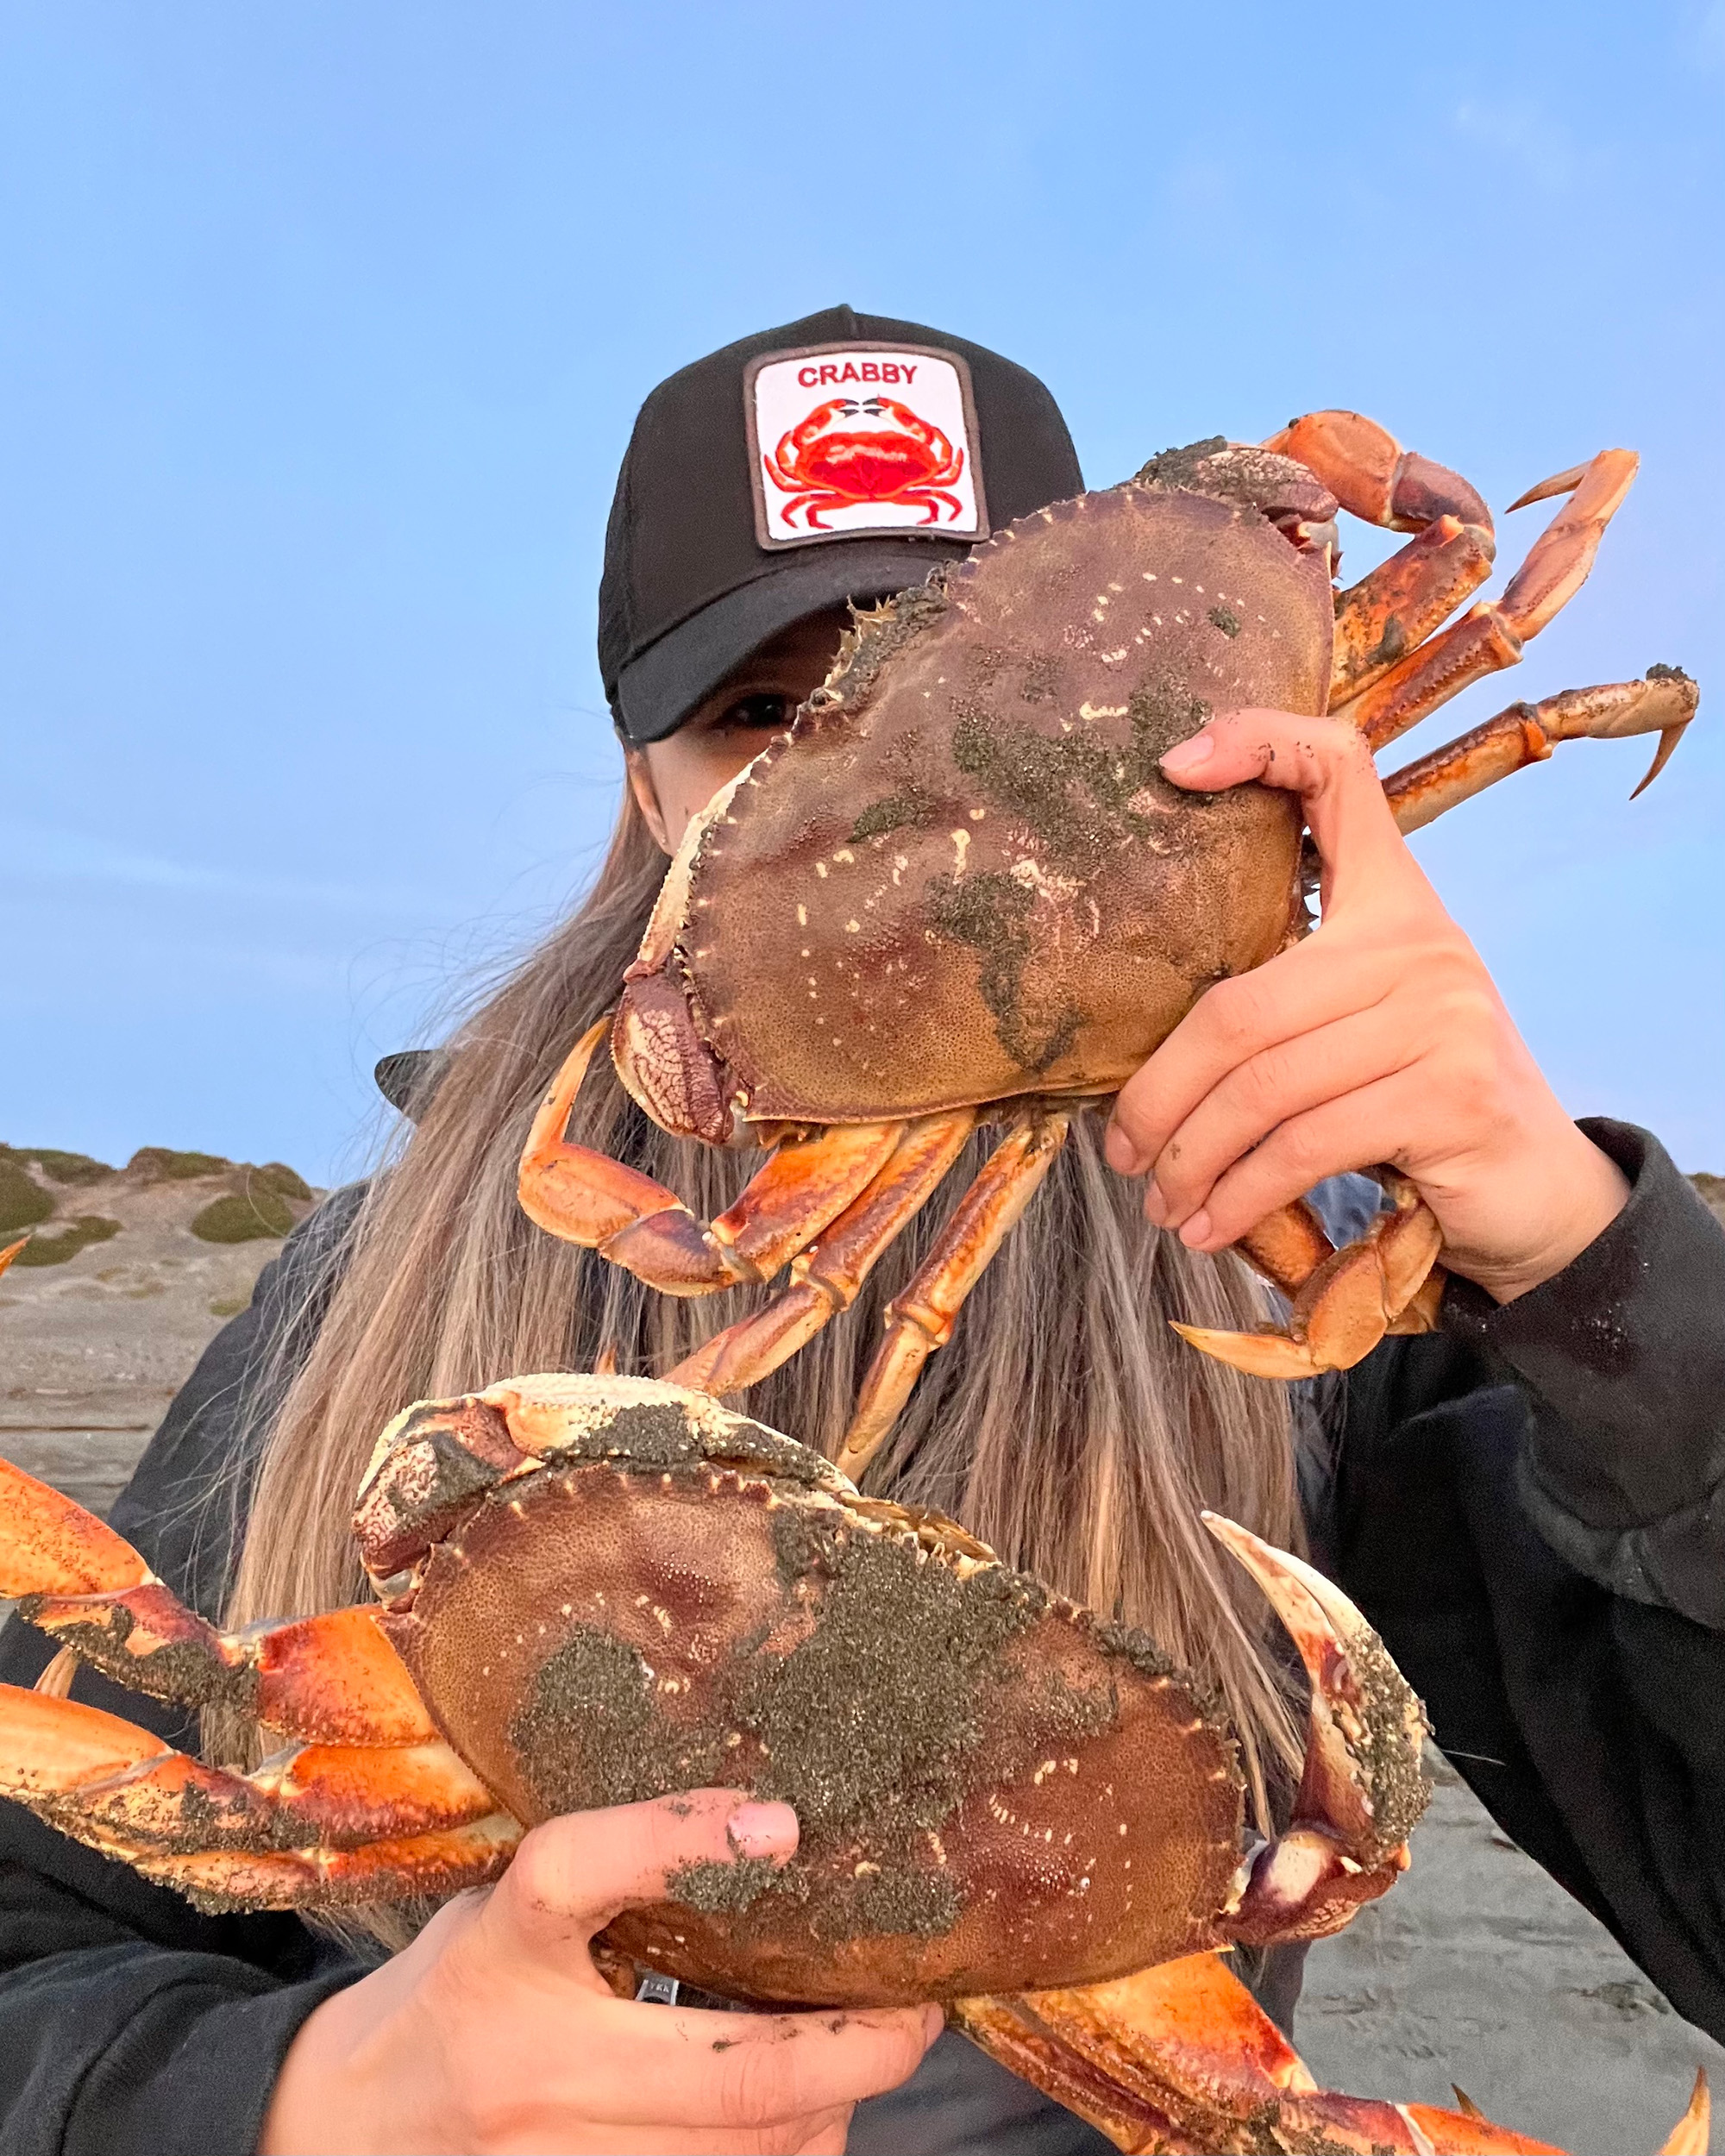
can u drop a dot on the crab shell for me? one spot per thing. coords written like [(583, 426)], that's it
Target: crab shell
[(974, 881), (994, 1788)]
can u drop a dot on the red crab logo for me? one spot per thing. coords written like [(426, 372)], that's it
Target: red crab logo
[(909, 464)]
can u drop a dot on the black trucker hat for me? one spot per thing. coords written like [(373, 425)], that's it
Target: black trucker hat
[(837, 458)]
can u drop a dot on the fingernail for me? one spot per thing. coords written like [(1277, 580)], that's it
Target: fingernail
[(1197, 1231), (933, 2020), (1120, 1152), (1188, 756), (1155, 1205), (763, 1830)]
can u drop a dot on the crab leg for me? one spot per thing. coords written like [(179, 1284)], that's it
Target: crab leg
[(1386, 1282), (921, 1318), (584, 1197), (1527, 733), (1397, 605), (825, 1278), (1182, 2058), (1493, 633), (1393, 608), (331, 1679), (1288, 1246)]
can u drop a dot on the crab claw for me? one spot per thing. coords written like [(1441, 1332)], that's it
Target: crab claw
[(328, 1679), (1691, 2134), (50, 1545), (1362, 1789), (1386, 1282), (1548, 490), (108, 1782), (1561, 556)]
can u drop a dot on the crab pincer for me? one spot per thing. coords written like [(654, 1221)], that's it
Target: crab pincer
[(363, 1797)]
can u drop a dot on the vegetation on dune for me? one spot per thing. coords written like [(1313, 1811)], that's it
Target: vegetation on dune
[(161, 1164), (258, 1205), (244, 1216), (60, 1166), (77, 1235), (277, 1175), (23, 1201)]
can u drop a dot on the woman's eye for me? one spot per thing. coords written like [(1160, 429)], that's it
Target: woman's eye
[(768, 712)]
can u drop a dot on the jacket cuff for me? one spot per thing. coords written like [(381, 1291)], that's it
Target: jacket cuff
[(1624, 1353)]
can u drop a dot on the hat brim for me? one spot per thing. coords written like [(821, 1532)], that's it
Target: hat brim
[(656, 692)]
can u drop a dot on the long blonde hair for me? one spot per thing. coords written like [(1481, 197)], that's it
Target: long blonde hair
[(1066, 1424)]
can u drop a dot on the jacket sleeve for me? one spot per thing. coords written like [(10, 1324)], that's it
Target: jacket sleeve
[(1528, 1506), (128, 2022)]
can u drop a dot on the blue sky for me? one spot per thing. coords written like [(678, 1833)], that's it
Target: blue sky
[(321, 329)]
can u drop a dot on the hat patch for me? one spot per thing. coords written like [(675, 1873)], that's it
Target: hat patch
[(850, 439)]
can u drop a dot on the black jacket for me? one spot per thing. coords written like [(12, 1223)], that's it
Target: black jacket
[(1527, 1504)]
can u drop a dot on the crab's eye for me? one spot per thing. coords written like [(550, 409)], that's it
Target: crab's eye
[(770, 711)]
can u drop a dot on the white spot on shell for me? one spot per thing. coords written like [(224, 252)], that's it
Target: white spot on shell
[(961, 840), (1031, 875)]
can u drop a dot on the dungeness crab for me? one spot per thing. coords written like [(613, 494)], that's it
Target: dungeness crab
[(597, 1589), (960, 890)]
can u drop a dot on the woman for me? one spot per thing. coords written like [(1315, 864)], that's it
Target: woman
[(1521, 1501)]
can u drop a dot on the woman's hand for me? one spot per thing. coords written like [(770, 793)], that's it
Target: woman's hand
[(494, 2031), (1379, 1038)]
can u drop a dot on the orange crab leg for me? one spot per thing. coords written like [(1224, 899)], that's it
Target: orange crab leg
[(1288, 1246), (1395, 607), (584, 1197), (1493, 633), (332, 1678), (921, 1318), (219, 1881), (825, 1278), (104, 1781), (1662, 703), (1182, 2058)]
